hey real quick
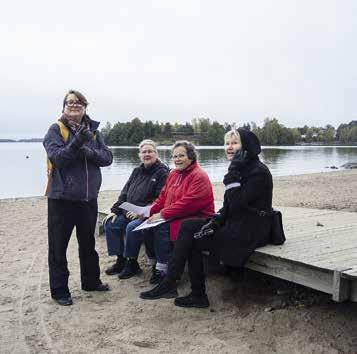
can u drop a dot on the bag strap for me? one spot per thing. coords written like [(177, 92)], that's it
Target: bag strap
[(64, 132)]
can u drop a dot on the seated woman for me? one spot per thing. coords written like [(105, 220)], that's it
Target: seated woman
[(234, 233), (187, 193), (143, 186)]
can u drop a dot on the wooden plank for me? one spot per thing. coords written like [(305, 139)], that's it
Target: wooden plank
[(341, 286), (351, 273), (314, 278)]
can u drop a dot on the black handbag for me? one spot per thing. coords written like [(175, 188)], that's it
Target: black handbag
[(277, 235)]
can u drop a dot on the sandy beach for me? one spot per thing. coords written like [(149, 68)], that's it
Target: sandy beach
[(257, 314)]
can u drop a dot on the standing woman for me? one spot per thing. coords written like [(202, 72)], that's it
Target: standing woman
[(235, 232), (76, 151)]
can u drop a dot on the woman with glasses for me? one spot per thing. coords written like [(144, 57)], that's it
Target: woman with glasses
[(76, 151), (242, 225), (187, 193), (143, 186)]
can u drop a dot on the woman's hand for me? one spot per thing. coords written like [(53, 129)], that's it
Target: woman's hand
[(154, 217), (132, 216), (110, 217)]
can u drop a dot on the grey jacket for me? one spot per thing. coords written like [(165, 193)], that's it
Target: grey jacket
[(76, 174)]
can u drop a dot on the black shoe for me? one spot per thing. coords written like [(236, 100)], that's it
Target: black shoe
[(164, 290), (156, 277), (117, 267), (64, 301), (199, 301), (99, 287), (131, 268)]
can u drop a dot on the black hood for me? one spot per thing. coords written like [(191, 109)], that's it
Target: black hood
[(250, 143)]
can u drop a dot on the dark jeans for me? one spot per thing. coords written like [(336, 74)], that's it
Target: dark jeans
[(63, 216), (158, 244), (119, 231), (189, 249)]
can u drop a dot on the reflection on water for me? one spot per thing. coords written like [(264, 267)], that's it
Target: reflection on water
[(287, 160), (21, 176)]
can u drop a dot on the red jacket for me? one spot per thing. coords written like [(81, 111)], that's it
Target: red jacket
[(186, 194)]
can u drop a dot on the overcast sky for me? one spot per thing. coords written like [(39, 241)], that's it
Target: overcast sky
[(231, 61)]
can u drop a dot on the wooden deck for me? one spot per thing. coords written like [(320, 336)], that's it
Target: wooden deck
[(320, 252), (320, 257)]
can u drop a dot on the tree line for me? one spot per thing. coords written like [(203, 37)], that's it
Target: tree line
[(203, 131)]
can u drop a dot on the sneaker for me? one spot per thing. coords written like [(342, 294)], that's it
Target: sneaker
[(199, 301), (117, 267), (131, 268), (157, 276), (64, 301), (165, 290)]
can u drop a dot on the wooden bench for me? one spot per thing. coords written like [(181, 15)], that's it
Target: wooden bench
[(320, 251)]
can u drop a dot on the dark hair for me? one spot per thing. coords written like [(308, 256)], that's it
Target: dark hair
[(189, 147), (80, 96)]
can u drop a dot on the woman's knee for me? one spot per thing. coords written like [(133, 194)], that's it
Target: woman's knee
[(192, 225), (131, 226)]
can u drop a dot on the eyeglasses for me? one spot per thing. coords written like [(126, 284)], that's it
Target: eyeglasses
[(178, 156), (72, 103), (147, 152)]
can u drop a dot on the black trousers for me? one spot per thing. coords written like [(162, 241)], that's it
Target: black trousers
[(189, 249), (63, 216)]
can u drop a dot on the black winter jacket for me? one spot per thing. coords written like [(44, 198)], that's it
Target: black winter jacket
[(242, 230), (143, 186), (76, 174)]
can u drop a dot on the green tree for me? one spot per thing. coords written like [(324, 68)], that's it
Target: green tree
[(328, 135), (167, 130), (353, 134), (344, 135), (271, 131), (215, 134), (106, 131), (136, 131)]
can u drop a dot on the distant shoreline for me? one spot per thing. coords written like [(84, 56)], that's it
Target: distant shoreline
[(39, 140), (32, 140)]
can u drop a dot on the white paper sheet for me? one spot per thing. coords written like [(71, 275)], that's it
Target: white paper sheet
[(147, 225), (145, 211)]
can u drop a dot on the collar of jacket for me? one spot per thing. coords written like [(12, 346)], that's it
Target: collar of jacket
[(151, 168)]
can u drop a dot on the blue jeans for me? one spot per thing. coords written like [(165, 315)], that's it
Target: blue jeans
[(116, 232), (158, 244)]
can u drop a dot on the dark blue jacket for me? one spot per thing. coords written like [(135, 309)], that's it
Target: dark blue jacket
[(76, 174)]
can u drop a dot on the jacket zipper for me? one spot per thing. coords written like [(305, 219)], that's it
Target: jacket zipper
[(85, 160)]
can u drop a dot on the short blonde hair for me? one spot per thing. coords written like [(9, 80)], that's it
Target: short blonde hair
[(148, 142), (232, 134)]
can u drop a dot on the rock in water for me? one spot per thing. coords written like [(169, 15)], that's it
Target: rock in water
[(350, 165)]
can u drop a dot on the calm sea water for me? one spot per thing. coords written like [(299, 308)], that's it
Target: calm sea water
[(23, 171)]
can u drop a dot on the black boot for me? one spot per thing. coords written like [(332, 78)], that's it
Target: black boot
[(131, 268), (157, 276), (165, 290), (64, 301), (191, 300), (117, 267)]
